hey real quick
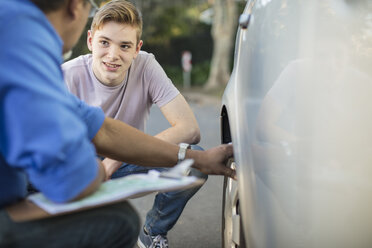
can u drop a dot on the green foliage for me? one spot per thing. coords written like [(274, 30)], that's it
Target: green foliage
[(175, 74), (199, 74), (81, 47), (162, 23), (171, 29)]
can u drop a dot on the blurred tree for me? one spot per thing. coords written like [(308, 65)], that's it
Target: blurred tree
[(223, 33)]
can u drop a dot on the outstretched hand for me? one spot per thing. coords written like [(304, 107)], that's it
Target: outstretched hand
[(213, 161)]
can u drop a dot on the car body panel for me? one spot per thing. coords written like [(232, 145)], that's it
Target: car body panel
[(299, 107)]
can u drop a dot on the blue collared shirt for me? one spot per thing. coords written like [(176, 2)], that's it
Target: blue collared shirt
[(45, 132)]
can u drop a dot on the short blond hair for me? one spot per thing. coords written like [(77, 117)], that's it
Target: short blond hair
[(119, 11)]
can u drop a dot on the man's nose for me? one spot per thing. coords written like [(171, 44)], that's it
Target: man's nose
[(113, 52)]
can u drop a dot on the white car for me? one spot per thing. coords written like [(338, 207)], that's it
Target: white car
[(298, 110)]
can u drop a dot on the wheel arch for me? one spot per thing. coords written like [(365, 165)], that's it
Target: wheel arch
[(225, 126)]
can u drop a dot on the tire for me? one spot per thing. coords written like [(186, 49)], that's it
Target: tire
[(232, 231)]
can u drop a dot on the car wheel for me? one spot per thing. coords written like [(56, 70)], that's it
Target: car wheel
[(232, 231)]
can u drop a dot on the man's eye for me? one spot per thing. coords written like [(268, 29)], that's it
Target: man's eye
[(103, 42), (125, 47)]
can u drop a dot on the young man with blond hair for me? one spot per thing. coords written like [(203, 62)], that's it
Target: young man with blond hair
[(125, 82)]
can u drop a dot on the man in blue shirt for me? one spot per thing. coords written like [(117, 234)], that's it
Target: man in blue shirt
[(50, 138)]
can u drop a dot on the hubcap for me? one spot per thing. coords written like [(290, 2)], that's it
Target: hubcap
[(231, 213)]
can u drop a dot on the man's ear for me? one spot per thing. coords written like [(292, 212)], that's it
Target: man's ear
[(89, 40), (73, 7), (138, 48)]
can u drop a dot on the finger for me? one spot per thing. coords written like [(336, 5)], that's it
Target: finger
[(229, 150), (234, 176), (230, 173)]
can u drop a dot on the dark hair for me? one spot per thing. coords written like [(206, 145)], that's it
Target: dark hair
[(49, 5)]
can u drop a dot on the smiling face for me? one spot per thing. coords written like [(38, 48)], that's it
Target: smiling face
[(113, 47)]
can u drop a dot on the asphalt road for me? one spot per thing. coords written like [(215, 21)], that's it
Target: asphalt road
[(200, 223)]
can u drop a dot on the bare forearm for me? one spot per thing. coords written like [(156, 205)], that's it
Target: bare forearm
[(122, 142), (119, 141), (178, 134), (184, 127), (173, 135)]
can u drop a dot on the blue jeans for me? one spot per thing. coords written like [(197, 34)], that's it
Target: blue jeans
[(168, 206)]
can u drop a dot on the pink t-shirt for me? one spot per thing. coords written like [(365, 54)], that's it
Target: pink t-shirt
[(145, 84)]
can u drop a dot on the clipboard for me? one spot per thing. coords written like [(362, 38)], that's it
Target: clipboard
[(37, 206)]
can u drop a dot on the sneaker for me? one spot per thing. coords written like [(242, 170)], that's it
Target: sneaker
[(147, 241)]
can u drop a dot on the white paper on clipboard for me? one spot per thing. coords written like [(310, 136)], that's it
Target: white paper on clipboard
[(123, 188)]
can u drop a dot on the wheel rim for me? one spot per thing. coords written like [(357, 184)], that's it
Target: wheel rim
[(231, 213)]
